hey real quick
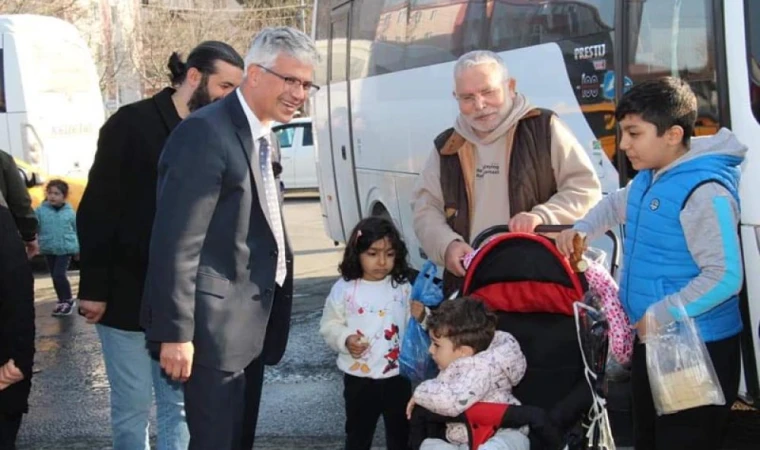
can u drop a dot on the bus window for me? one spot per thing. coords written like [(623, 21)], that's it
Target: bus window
[(522, 24), (675, 38), (378, 37), (753, 50), (2, 83), (440, 31)]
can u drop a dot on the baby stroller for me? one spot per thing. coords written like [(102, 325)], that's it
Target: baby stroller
[(532, 289)]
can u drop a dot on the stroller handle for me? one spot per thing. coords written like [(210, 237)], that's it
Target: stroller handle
[(543, 229), (499, 229)]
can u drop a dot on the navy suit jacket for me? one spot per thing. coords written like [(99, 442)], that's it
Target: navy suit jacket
[(213, 256)]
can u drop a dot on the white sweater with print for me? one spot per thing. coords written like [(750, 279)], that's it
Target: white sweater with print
[(376, 310)]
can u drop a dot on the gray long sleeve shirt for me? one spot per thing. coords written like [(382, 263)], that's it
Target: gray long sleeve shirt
[(715, 251)]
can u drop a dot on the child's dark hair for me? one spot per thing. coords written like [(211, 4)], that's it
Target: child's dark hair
[(60, 185), (664, 102), (465, 321), (204, 58), (367, 232)]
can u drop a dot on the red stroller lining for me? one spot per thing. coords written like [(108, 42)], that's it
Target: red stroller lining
[(484, 419), (528, 297)]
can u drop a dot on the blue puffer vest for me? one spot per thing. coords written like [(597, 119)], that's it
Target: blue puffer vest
[(657, 261), (58, 232)]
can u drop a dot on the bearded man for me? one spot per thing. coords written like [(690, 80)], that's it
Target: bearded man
[(504, 162)]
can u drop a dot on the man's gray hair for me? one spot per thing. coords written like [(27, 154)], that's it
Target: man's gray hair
[(477, 58), (271, 42)]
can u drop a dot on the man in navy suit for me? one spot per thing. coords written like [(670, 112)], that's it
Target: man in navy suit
[(219, 289)]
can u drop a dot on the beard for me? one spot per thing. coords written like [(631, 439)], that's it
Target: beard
[(500, 114), (200, 97)]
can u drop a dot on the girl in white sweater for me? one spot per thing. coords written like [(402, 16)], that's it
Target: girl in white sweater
[(364, 320)]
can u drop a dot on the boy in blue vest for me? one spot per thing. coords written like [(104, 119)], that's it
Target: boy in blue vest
[(681, 214)]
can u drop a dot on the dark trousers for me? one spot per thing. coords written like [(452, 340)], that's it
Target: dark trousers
[(9, 425), (254, 379), (58, 266), (222, 407), (701, 428), (366, 400)]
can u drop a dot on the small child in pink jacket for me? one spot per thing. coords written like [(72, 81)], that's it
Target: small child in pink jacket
[(478, 364)]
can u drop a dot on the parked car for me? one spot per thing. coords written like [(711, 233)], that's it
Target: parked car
[(299, 168)]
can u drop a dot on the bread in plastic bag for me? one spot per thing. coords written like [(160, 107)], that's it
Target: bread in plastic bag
[(681, 372)]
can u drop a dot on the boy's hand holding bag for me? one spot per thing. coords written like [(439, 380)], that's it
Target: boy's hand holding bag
[(681, 372)]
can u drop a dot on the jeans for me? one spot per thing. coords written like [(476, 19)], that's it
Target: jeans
[(134, 376), (58, 265)]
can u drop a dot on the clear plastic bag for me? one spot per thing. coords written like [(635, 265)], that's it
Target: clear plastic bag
[(415, 362), (681, 372)]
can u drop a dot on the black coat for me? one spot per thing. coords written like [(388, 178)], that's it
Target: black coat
[(17, 197), (115, 216), (16, 312)]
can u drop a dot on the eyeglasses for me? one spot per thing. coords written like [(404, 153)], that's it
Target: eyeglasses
[(293, 83)]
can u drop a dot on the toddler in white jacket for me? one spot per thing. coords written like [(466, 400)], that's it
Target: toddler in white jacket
[(478, 364)]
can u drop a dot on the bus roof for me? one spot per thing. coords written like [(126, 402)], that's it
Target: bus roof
[(36, 24)]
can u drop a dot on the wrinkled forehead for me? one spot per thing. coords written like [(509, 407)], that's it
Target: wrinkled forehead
[(475, 79)]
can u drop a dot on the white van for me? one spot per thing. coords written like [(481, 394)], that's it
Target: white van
[(298, 158), (51, 107)]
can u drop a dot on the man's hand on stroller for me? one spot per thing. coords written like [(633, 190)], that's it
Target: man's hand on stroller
[(454, 257), (524, 222), (542, 428)]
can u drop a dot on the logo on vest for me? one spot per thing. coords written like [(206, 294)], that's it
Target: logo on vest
[(654, 204)]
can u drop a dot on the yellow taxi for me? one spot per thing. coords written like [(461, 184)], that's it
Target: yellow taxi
[(36, 181)]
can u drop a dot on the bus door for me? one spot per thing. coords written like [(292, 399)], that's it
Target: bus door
[(340, 120)]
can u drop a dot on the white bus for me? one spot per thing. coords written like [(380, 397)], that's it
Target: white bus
[(51, 108), (382, 105)]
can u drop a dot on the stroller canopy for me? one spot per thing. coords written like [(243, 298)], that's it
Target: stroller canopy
[(521, 272)]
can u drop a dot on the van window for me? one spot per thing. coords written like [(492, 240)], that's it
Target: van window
[(2, 82), (308, 139), (285, 135)]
